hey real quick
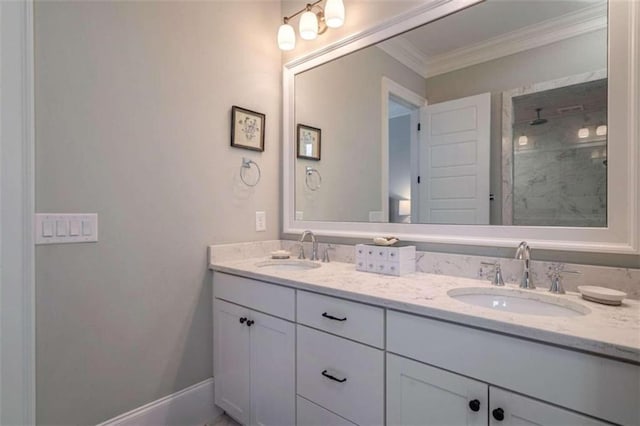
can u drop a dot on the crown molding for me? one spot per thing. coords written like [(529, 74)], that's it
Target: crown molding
[(402, 50), (566, 26)]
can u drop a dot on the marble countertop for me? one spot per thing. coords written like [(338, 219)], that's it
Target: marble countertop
[(613, 331)]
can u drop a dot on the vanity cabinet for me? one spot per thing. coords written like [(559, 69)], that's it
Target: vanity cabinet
[(254, 358), (596, 386), (419, 394), (284, 356)]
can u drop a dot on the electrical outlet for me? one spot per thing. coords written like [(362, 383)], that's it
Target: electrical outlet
[(261, 221)]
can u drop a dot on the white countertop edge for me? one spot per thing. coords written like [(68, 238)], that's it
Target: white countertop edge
[(567, 341)]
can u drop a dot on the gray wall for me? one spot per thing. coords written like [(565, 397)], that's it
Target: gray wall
[(132, 116), (400, 157), (343, 98)]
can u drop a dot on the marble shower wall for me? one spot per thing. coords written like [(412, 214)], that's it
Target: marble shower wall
[(560, 179)]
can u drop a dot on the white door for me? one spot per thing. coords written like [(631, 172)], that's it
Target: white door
[(509, 409), (272, 371), (231, 360), (454, 161), (418, 394)]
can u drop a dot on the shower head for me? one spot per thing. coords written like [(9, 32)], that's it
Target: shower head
[(538, 120)]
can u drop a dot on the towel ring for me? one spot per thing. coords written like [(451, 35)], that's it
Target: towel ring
[(246, 164), (309, 182)]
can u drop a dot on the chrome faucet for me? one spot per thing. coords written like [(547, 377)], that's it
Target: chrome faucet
[(314, 245), (556, 279), (497, 271), (523, 252)]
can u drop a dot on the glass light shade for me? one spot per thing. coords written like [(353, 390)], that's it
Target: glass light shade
[(308, 26), (334, 13), (583, 133), (601, 130), (286, 37), (523, 140), (404, 207)]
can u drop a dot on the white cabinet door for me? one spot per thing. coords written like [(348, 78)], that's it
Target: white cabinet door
[(231, 359), (272, 371), (418, 394), (510, 409)]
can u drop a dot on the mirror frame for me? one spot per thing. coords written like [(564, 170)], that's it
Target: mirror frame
[(622, 233)]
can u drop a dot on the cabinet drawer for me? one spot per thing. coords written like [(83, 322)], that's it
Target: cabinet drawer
[(590, 384), (356, 391), (353, 320), (269, 298), (310, 414)]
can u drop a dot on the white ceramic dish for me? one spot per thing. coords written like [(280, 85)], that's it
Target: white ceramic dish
[(603, 295), (280, 254)]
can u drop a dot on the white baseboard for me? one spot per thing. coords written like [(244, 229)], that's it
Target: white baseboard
[(192, 406)]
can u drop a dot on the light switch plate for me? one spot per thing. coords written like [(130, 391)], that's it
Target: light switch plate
[(261, 221), (66, 228)]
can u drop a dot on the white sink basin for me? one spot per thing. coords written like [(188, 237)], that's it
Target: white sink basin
[(288, 265), (519, 301)]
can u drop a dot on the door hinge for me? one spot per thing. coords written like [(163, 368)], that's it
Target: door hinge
[(418, 179), (419, 127)]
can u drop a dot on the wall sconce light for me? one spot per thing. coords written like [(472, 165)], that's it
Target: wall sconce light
[(601, 130), (404, 207), (523, 140), (313, 21)]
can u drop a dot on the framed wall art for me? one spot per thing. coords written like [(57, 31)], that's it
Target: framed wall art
[(247, 129), (308, 146)]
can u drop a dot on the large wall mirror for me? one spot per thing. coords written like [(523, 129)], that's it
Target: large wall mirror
[(487, 123)]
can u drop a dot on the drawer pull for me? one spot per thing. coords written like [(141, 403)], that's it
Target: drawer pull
[(474, 405), (329, 376), (250, 323), (331, 317), (498, 414), (242, 320)]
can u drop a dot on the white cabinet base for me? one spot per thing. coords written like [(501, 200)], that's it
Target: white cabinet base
[(418, 394), (518, 410), (310, 414)]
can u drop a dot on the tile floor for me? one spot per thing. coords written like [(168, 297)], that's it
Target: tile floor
[(225, 420)]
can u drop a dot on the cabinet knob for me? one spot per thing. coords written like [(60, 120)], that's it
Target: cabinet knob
[(498, 414), (250, 323), (474, 405), (242, 320)]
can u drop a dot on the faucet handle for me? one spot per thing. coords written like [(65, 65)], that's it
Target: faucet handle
[(325, 255), (556, 279), (497, 278), (301, 252)]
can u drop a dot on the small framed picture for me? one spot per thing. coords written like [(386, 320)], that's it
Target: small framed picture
[(308, 142), (247, 129)]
